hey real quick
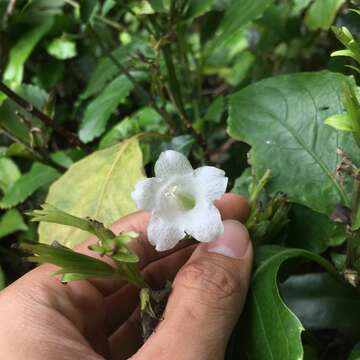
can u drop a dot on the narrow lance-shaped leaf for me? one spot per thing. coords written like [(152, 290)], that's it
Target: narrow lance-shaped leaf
[(238, 14), (100, 109), (73, 265), (14, 70)]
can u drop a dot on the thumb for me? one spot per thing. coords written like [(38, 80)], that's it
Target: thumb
[(207, 298)]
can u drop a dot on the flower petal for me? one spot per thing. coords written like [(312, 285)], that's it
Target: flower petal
[(172, 163), (164, 234), (206, 224), (145, 193), (213, 181)]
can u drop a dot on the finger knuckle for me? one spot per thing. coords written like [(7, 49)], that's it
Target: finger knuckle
[(211, 279)]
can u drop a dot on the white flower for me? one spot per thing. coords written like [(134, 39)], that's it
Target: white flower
[(181, 200)]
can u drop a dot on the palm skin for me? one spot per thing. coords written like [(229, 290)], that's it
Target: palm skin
[(44, 319)]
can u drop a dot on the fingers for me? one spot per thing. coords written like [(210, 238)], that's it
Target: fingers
[(156, 274), (231, 206), (207, 298)]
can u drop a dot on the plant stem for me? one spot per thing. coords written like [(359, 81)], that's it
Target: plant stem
[(40, 157), (350, 244), (140, 90), (45, 119)]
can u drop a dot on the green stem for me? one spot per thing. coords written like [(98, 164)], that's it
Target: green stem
[(139, 89)]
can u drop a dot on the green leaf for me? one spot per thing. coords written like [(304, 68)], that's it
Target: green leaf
[(11, 222), (157, 5), (340, 122), (105, 70), (282, 118), (13, 123), (9, 174), (39, 175), (242, 183), (321, 14), (98, 186), (355, 354), (238, 14), (346, 53), (144, 120), (100, 109), (269, 329), (62, 48), (313, 231), (321, 302), (2, 279), (88, 9), (344, 35), (215, 110), (14, 70), (198, 7), (74, 265)]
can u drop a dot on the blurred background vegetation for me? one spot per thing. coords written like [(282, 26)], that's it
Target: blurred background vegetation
[(100, 72)]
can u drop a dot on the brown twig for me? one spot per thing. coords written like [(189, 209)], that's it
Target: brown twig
[(33, 110)]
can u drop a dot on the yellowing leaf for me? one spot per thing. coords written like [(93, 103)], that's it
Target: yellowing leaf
[(98, 186), (340, 122)]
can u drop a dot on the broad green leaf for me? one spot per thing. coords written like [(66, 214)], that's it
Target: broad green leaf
[(238, 14), (106, 70), (39, 175), (11, 222), (321, 14), (9, 174), (62, 48), (269, 329), (14, 124), (313, 231), (14, 70), (2, 279), (321, 302), (340, 122), (98, 186), (100, 109), (282, 118), (355, 354)]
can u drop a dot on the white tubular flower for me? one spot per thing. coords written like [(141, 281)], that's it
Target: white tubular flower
[(181, 200)]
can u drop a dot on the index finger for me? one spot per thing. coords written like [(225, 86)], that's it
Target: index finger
[(231, 206)]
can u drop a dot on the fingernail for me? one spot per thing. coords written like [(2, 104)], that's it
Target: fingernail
[(233, 243)]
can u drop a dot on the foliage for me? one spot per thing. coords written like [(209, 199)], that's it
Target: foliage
[(93, 91)]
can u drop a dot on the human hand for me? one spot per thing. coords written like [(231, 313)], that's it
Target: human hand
[(43, 319)]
